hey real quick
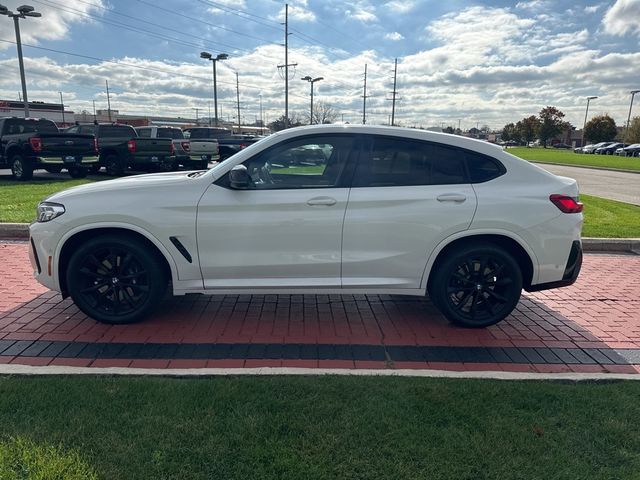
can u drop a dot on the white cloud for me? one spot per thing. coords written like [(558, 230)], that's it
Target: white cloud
[(401, 6), (592, 8), (622, 18), (533, 4), (395, 36), (53, 25)]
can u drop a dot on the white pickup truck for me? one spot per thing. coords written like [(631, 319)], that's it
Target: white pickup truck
[(189, 153)]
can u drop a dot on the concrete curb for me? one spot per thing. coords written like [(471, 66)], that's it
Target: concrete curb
[(16, 369), (20, 231)]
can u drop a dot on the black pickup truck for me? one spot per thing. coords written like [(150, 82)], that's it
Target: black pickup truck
[(120, 148), (27, 144), (228, 143)]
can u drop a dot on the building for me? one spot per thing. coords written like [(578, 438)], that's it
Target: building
[(50, 111)]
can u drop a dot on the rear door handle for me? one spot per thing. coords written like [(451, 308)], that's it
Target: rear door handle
[(327, 201), (452, 197)]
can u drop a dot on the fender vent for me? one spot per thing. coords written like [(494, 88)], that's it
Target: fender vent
[(181, 248)]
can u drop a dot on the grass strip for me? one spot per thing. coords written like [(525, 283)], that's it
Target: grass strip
[(330, 427), (568, 157), (610, 219)]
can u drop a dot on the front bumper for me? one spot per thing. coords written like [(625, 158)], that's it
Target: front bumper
[(42, 246)]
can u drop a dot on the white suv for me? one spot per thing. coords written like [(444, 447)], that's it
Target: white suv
[(385, 210)]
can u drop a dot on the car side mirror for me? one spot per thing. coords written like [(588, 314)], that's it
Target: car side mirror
[(239, 178)]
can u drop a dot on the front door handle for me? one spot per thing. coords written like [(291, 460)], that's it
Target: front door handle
[(452, 197), (326, 201)]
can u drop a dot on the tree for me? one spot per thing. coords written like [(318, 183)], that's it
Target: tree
[(511, 132), (528, 128), (601, 128), (324, 113), (279, 124), (551, 124)]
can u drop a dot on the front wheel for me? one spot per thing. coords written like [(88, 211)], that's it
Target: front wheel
[(116, 279), (477, 286)]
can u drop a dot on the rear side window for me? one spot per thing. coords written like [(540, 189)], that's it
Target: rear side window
[(116, 131), (482, 168), (30, 126), (392, 162)]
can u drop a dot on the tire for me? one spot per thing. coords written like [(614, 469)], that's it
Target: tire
[(78, 172), (94, 168), (477, 285), (116, 279), (53, 168), (21, 169), (114, 166)]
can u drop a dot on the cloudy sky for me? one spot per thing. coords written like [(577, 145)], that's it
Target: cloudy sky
[(474, 62)]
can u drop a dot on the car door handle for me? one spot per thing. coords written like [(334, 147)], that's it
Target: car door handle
[(452, 197), (327, 201)]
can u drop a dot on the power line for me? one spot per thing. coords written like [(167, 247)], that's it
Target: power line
[(244, 14)]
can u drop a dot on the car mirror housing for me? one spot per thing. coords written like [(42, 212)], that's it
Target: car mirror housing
[(239, 178)]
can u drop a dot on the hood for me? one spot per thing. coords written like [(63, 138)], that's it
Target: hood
[(136, 182)]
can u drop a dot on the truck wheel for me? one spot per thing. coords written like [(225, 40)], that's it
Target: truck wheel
[(114, 166), (95, 168), (116, 279), (53, 168), (21, 169), (476, 286), (78, 172)]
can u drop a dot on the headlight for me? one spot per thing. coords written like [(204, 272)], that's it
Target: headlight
[(48, 211)]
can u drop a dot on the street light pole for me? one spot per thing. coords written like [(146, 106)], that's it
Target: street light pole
[(62, 105), (633, 92), (584, 125), (220, 56), (311, 81), (24, 11)]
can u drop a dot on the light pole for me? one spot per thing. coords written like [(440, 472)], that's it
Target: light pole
[(24, 11), (584, 125), (62, 105), (633, 92), (220, 56), (311, 81)]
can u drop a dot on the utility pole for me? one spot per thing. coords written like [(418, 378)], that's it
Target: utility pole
[(584, 125), (393, 108), (364, 97), (95, 118), (261, 122), (62, 105), (633, 93), (238, 99), (197, 110), (286, 65), (108, 101)]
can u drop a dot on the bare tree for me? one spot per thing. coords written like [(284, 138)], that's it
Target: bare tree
[(324, 113)]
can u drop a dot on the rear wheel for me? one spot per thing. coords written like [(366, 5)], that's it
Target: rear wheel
[(477, 286), (116, 279), (78, 172), (21, 168), (114, 166)]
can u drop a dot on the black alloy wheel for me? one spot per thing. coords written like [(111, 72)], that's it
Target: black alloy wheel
[(477, 286), (116, 279), (21, 168)]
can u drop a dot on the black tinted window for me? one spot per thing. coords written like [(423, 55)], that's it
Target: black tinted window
[(174, 133), (31, 126), (144, 132), (482, 168), (398, 162), (117, 131)]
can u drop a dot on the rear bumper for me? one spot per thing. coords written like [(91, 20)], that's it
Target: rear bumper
[(571, 271), (77, 160)]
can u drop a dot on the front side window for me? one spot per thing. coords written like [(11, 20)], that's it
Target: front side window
[(392, 162), (312, 162)]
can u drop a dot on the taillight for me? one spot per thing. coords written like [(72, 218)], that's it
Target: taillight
[(131, 146), (186, 146), (172, 149), (95, 145), (36, 144), (566, 204)]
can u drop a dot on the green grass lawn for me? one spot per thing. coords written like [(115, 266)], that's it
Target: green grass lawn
[(610, 219), (329, 427), (553, 155)]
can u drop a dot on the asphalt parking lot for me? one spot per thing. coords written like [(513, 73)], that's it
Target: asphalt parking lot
[(592, 326)]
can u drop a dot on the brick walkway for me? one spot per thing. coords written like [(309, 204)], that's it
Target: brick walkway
[(592, 326)]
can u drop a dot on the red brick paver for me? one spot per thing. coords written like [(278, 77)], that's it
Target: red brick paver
[(602, 310)]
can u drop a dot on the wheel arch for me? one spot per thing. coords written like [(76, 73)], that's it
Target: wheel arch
[(524, 257), (77, 237)]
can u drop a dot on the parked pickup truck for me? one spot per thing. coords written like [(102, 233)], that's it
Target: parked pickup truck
[(120, 148), (27, 144), (191, 155), (228, 143)]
